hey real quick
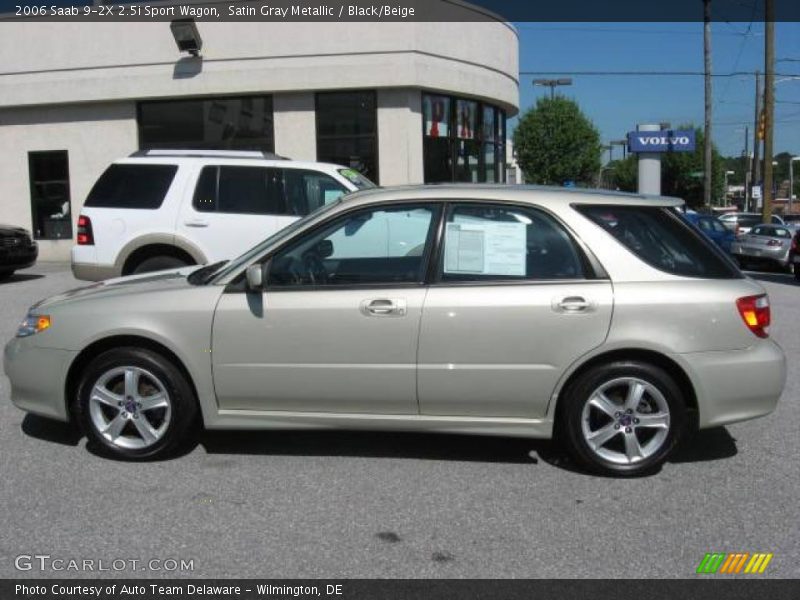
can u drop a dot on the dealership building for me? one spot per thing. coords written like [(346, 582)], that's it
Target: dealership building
[(404, 102)]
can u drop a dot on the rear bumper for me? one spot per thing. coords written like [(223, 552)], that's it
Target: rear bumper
[(736, 385), (89, 272)]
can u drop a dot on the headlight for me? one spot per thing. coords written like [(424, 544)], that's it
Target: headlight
[(33, 324)]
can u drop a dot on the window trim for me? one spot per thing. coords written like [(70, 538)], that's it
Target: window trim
[(591, 268)]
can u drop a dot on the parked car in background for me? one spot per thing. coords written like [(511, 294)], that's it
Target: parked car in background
[(791, 219), (765, 244), (453, 309), (17, 250), (794, 253), (166, 209), (741, 222), (712, 227)]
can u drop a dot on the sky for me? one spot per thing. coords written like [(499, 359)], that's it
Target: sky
[(617, 103)]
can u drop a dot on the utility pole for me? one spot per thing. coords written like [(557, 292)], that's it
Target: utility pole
[(707, 154), (746, 169), (756, 177), (769, 106)]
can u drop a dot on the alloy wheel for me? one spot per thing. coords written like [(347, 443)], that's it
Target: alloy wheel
[(130, 407), (625, 420)]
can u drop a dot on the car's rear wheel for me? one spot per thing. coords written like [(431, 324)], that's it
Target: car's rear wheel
[(159, 263), (6, 275), (622, 418), (135, 404)]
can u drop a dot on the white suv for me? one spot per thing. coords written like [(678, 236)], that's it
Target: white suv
[(161, 209)]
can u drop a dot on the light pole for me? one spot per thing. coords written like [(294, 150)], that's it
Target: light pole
[(624, 144), (725, 195), (552, 84), (791, 181)]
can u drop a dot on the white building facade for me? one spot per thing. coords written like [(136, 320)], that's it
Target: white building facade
[(408, 102)]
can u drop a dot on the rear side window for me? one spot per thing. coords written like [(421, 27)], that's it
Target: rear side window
[(132, 186), (240, 190), (662, 239)]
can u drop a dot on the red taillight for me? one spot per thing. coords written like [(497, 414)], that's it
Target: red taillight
[(794, 243), (85, 235), (755, 313)]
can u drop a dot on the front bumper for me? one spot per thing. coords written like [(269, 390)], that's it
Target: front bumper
[(37, 377), (736, 385), (18, 258)]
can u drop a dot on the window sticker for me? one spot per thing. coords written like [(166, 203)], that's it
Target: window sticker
[(485, 248)]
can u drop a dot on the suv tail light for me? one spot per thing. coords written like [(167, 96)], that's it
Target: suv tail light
[(85, 234), (794, 241), (755, 313)]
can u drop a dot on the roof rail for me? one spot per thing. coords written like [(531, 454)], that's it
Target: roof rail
[(210, 153)]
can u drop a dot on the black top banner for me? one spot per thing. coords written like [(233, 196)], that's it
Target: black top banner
[(398, 10)]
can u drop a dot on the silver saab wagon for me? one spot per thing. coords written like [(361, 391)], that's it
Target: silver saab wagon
[(603, 319)]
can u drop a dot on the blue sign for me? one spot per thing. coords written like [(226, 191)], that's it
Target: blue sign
[(665, 140)]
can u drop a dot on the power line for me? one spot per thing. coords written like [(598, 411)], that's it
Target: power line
[(651, 73)]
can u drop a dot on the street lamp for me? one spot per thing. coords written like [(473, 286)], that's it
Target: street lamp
[(726, 184), (552, 84)]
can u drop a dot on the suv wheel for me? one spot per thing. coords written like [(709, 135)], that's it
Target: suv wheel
[(134, 404), (623, 418), (159, 263)]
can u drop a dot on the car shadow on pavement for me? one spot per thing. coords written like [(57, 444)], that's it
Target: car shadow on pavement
[(50, 430), (784, 278), (20, 277)]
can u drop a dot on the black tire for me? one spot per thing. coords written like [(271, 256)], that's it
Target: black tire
[(183, 420), (6, 275), (577, 395), (159, 263), (797, 273)]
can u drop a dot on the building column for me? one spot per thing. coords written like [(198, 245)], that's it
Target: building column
[(295, 123), (400, 136)]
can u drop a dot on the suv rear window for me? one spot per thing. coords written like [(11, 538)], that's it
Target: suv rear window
[(132, 186), (659, 237)]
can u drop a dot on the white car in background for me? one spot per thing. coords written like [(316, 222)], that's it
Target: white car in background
[(163, 209)]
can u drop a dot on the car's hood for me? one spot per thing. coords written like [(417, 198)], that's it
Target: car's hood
[(146, 283), (11, 229)]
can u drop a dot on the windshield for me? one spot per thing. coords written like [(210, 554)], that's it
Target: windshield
[(248, 256), (357, 179)]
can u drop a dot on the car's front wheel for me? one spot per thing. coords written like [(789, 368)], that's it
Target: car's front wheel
[(134, 403), (622, 418)]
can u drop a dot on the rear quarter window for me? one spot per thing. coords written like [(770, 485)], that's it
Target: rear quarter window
[(659, 237), (132, 186)]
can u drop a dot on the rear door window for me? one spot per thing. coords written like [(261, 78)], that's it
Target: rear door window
[(240, 190), (132, 186), (659, 237)]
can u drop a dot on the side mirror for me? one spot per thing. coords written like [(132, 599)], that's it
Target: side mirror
[(255, 278), (324, 249)]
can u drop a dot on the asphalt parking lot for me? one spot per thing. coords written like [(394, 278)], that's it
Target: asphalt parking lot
[(336, 505)]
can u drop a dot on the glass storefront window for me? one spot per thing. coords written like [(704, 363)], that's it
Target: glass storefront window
[(347, 130), (463, 140), (230, 123), (48, 174)]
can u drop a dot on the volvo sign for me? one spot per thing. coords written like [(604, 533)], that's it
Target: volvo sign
[(665, 140)]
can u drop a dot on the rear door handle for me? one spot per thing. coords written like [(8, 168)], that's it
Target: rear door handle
[(572, 304), (384, 307), (196, 223)]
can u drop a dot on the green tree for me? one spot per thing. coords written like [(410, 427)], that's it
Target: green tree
[(555, 143), (623, 174), (682, 173)]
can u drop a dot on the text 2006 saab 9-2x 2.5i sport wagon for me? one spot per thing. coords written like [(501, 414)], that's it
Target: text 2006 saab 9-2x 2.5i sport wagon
[(602, 319)]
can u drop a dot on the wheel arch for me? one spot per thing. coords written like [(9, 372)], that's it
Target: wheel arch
[(97, 347), (653, 357), (156, 244)]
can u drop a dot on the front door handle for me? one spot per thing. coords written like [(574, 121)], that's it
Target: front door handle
[(196, 223), (572, 304), (384, 307)]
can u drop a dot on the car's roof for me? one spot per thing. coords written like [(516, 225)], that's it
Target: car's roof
[(515, 193)]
